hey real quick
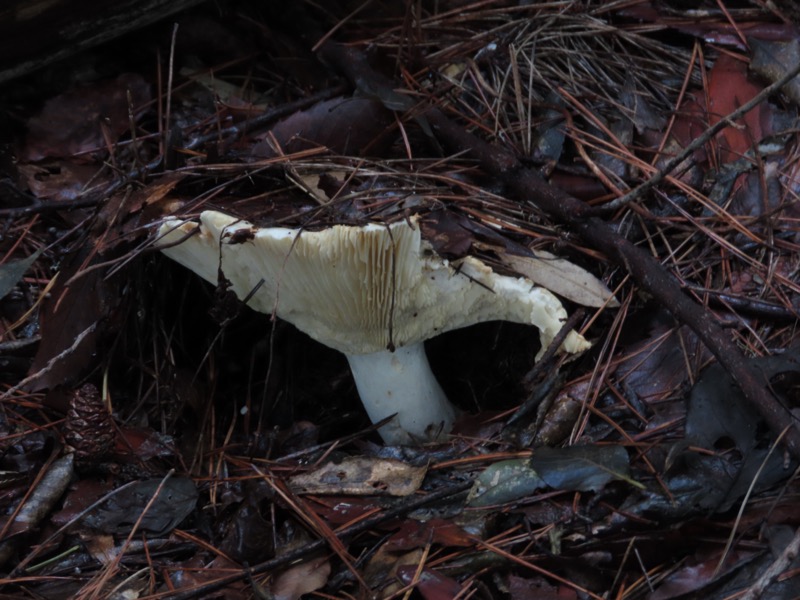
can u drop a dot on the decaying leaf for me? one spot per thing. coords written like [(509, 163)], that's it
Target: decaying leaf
[(72, 320), (349, 510), (344, 125), (361, 475), (559, 420), (101, 547), (562, 277), (504, 481), (63, 180), (415, 534), (582, 468), (301, 579), (655, 368), (175, 501)]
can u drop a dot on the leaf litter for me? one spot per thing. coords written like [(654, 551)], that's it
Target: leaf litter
[(229, 457)]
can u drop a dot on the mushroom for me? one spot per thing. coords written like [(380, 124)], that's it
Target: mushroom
[(374, 292)]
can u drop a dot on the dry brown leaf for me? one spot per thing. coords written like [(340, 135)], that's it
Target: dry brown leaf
[(359, 476), (301, 579), (562, 277)]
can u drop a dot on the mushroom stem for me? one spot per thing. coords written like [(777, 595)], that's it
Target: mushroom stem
[(402, 382)]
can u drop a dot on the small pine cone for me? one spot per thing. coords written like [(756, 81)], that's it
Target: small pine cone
[(89, 427)]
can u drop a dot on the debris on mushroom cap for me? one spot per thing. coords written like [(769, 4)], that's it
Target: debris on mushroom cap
[(360, 289)]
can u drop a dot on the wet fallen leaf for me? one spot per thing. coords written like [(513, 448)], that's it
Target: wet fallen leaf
[(448, 233), (655, 368), (79, 497), (537, 588), (144, 444), (431, 584), (73, 122), (551, 134), (247, 534), (226, 93), (72, 319), (101, 547), (772, 60), (415, 534), (174, 502), (38, 505), (63, 180), (303, 578), (697, 574), (345, 125), (344, 510), (361, 475), (582, 468)]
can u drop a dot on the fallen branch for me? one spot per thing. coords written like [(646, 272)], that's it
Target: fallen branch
[(529, 187)]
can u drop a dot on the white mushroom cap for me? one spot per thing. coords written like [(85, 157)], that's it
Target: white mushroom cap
[(361, 289)]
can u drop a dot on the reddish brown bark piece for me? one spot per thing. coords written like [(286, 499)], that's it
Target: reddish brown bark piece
[(528, 186)]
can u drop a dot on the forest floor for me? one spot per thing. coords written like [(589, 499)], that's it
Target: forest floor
[(160, 439)]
